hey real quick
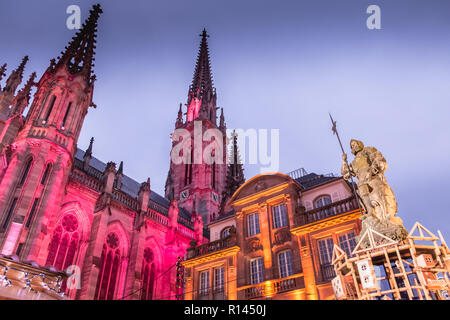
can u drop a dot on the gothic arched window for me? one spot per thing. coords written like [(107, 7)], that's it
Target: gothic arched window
[(46, 172), (109, 268), (25, 172), (50, 108), (148, 275), (64, 243)]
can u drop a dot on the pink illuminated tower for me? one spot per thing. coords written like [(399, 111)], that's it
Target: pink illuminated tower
[(198, 184), (42, 153)]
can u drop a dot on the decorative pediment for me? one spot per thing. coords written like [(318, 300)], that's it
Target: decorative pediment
[(266, 182)]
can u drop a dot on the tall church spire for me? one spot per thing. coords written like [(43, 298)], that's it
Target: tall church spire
[(235, 173), (202, 82), (16, 77), (79, 54), (2, 73), (179, 121), (202, 94)]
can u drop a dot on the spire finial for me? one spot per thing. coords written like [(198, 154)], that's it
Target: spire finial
[(202, 84), (21, 67), (21, 100), (204, 34), (2, 71), (222, 119), (89, 149), (16, 77), (79, 54), (120, 171)]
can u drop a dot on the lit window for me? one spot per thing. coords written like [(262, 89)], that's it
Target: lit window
[(64, 243), (323, 201), (9, 215), (225, 232), (326, 256), (256, 270), (253, 224), (25, 172), (347, 243), (50, 108), (46, 172), (204, 283), (325, 251), (148, 275), (63, 124), (32, 212), (109, 268), (279, 216), (219, 281), (285, 263)]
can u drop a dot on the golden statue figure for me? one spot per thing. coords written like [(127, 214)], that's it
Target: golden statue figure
[(376, 195)]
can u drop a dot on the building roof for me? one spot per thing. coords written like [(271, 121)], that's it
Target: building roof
[(129, 186), (312, 180)]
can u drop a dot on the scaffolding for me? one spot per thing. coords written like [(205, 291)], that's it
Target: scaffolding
[(380, 268)]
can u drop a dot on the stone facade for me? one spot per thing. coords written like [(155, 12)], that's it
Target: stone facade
[(279, 250), (62, 208)]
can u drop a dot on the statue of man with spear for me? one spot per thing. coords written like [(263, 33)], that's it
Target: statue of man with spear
[(374, 192)]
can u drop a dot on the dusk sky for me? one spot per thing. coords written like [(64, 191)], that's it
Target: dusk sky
[(276, 65)]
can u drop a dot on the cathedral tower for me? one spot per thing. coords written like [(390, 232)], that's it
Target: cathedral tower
[(42, 154), (199, 180)]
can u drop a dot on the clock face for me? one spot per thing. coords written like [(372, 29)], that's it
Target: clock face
[(184, 194), (215, 197)]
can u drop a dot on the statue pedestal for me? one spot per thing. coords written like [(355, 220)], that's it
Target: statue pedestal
[(387, 228)]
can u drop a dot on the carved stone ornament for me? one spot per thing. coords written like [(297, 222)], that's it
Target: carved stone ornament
[(282, 236), (260, 185), (254, 245)]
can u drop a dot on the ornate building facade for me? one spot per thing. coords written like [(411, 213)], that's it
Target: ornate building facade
[(277, 240), (62, 209)]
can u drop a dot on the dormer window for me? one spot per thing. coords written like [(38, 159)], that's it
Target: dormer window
[(225, 232), (322, 201)]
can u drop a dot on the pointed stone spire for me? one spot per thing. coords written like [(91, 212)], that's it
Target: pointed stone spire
[(119, 176), (144, 195), (15, 78), (21, 100), (179, 121), (235, 173), (108, 177), (78, 56), (120, 171), (202, 83), (222, 124), (2, 73), (88, 155), (202, 95)]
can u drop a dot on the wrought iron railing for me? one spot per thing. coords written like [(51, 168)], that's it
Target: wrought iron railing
[(211, 247), (330, 210), (283, 285), (275, 286)]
